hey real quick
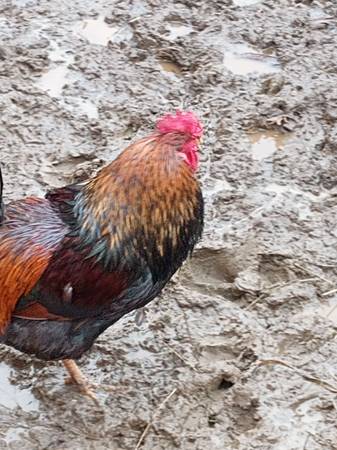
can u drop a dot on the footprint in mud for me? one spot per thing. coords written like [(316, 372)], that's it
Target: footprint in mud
[(216, 351), (209, 271), (11, 396), (58, 173)]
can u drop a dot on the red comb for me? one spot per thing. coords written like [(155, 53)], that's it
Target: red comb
[(181, 122)]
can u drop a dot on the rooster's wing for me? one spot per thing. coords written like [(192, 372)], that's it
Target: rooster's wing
[(29, 234)]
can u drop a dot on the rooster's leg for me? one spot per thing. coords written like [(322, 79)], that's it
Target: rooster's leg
[(77, 377)]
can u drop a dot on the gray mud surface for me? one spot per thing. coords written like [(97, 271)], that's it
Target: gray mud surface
[(240, 351)]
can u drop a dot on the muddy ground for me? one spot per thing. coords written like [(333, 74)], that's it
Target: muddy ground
[(240, 351)]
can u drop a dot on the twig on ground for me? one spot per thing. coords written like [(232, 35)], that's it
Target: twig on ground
[(154, 417), (323, 383), (310, 272), (306, 441), (327, 293), (188, 364), (332, 310), (264, 291)]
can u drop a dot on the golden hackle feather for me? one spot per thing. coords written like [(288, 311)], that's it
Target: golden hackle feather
[(166, 202)]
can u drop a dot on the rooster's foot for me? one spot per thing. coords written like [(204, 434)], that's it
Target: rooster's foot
[(77, 377)]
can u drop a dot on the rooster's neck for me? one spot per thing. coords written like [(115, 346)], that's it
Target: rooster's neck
[(144, 208)]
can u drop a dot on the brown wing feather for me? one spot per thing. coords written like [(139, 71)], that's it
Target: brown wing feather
[(29, 235), (36, 311)]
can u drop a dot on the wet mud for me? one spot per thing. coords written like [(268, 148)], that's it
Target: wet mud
[(240, 351)]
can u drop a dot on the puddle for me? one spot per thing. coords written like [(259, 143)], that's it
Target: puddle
[(170, 67), (54, 80), (87, 107), (263, 148), (245, 2), (11, 396), (59, 55), (265, 143), (96, 31), (177, 31), (241, 59), (80, 106)]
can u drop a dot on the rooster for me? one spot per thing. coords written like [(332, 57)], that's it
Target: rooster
[(76, 261)]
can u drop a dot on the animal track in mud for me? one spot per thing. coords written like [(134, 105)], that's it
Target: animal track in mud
[(58, 173), (216, 351), (244, 411), (209, 271)]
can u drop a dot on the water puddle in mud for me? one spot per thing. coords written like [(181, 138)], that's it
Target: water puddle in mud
[(96, 31), (54, 80), (242, 59), (88, 108), (177, 31), (170, 67), (245, 2), (11, 396), (265, 143)]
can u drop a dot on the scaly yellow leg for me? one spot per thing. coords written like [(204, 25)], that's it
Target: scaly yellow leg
[(77, 377)]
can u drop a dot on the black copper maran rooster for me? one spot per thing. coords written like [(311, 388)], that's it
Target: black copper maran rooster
[(76, 261)]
